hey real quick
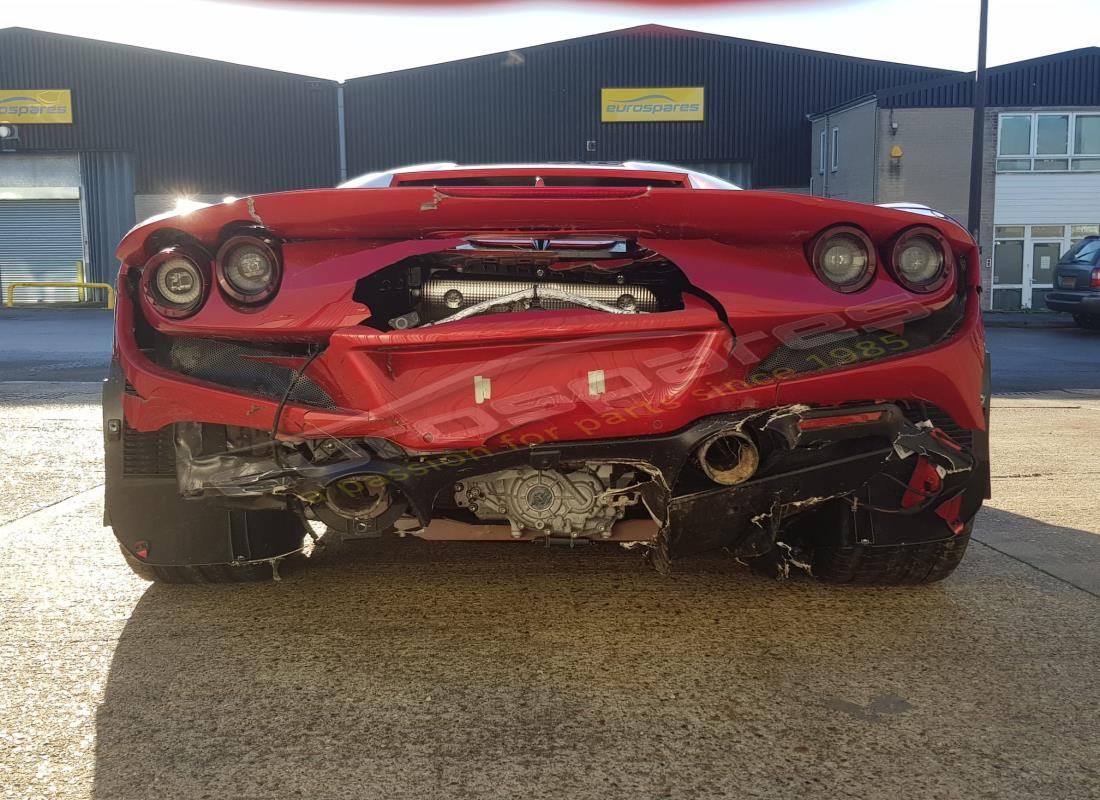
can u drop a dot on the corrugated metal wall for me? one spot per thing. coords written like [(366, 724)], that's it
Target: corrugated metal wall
[(1064, 79), (193, 125), (543, 103), (108, 180)]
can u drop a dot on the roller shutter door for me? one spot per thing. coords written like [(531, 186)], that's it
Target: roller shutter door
[(40, 240)]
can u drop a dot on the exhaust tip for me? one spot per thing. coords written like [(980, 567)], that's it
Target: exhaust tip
[(728, 458)]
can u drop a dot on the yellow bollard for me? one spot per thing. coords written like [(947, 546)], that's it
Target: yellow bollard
[(80, 279)]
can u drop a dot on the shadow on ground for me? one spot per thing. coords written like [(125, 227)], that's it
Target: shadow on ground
[(1069, 554), (404, 669)]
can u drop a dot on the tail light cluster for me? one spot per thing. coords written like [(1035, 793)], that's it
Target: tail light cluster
[(845, 259), (1094, 280), (248, 269), (177, 280)]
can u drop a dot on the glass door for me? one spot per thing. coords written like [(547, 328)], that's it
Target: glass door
[(1044, 255), (1008, 268)]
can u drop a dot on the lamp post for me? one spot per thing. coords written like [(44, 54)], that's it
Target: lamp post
[(974, 209)]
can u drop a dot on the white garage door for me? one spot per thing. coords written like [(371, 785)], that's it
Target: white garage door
[(40, 240)]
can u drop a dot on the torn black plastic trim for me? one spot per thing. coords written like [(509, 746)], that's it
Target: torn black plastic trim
[(172, 530), (797, 475)]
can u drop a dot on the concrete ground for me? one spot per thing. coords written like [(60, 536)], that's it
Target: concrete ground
[(400, 669)]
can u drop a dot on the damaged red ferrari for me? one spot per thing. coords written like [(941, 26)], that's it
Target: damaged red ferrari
[(632, 353)]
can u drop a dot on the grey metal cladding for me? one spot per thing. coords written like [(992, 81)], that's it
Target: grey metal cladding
[(543, 103), (194, 125), (1063, 79), (108, 179)]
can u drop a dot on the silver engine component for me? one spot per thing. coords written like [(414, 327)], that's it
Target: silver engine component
[(581, 503), (443, 297)]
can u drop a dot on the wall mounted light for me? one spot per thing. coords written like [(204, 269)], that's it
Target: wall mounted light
[(9, 135)]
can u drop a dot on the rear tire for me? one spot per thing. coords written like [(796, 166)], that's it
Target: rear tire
[(890, 565), (250, 572), (1087, 321)]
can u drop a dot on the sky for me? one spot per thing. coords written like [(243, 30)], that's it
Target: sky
[(344, 40)]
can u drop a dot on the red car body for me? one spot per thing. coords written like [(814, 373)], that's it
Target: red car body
[(742, 336)]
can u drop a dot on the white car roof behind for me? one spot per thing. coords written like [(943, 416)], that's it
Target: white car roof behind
[(384, 178)]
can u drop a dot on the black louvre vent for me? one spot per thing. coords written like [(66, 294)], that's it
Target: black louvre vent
[(148, 454), (862, 347)]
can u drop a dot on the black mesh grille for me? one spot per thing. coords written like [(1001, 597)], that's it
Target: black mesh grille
[(235, 365), (148, 454), (861, 347)]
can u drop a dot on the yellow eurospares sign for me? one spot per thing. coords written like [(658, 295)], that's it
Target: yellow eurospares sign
[(37, 106), (667, 104)]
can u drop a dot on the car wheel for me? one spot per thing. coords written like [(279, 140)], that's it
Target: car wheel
[(824, 545), (1087, 321), (901, 564)]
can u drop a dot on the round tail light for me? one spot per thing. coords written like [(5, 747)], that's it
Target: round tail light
[(843, 258), (248, 269), (920, 260), (174, 282)]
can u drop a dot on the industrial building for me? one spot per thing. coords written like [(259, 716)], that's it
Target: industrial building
[(99, 135), (1041, 162), (120, 132)]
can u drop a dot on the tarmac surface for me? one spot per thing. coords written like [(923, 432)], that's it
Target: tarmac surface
[(397, 668), (1030, 351), (72, 344)]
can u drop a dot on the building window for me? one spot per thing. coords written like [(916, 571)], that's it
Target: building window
[(1042, 142), (836, 149), (1086, 142), (822, 154), (1015, 135)]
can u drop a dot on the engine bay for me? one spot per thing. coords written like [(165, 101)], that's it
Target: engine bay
[(494, 275)]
